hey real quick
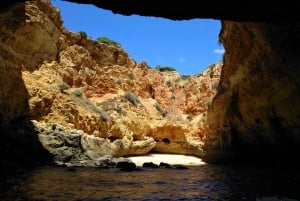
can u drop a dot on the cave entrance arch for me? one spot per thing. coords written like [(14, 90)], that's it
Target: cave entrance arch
[(189, 46)]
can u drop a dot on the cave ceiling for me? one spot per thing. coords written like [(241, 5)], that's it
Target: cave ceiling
[(255, 11), (190, 9)]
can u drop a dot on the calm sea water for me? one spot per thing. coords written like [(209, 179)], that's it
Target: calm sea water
[(207, 182)]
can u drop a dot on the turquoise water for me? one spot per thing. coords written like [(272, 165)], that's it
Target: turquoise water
[(207, 182)]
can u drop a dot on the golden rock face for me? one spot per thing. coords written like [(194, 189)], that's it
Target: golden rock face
[(67, 79), (114, 99), (250, 101)]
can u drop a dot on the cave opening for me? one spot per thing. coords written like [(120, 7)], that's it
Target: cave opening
[(252, 181), (188, 46)]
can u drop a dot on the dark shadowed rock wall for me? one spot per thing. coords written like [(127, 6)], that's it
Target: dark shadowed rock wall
[(257, 107)]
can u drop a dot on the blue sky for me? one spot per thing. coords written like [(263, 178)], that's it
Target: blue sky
[(189, 46)]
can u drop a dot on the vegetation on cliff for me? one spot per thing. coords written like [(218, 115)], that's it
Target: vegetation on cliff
[(108, 41)]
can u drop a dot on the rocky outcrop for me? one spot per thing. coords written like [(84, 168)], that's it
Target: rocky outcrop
[(200, 89), (76, 148)]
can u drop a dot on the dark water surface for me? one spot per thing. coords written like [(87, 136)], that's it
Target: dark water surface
[(207, 182)]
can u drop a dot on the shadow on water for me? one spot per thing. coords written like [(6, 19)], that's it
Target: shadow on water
[(20, 148), (210, 182)]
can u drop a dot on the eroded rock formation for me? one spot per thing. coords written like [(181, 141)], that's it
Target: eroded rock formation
[(87, 99), (90, 88), (255, 111)]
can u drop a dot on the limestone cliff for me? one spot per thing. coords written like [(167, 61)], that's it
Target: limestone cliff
[(87, 99), (100, 90), (255, 111)]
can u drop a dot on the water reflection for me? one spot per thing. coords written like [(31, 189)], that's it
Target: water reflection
[(274, 198), (208, 182)]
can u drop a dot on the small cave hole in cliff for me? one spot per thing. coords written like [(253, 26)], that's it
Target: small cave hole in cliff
[(166, 140), (189, 46)]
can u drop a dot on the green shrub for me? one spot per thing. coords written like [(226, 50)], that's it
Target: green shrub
[(185, 77), (164, 68), (82, 34), (77, 93), (160, 110), (128, 96), (120, 110), (107, 41)]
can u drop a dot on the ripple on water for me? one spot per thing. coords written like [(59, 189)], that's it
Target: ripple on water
[(209, 183)]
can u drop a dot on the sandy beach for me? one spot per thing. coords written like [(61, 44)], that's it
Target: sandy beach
[(172, 159)]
